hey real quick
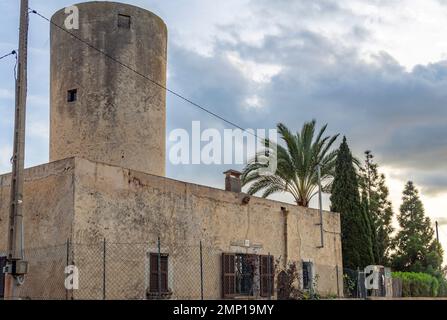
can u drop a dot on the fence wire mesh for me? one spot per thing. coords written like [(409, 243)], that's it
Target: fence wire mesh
[(46, 277), (354, 284), (138, 271)]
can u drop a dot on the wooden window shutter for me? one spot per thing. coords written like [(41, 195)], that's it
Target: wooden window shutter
[(267, 276), (228, 275), (164, 273), (154, 273)]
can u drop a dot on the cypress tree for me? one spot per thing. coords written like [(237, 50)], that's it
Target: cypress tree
[(345, 199)]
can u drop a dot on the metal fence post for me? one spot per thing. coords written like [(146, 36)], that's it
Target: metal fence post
[(159, 268), (358, 284), (338, 281), (104, 271), (201, 270), (67, 264)]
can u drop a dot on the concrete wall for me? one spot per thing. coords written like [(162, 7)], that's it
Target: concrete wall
[(119, 116), (48, 217)]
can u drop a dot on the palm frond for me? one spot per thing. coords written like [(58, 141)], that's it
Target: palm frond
[(296, 164)]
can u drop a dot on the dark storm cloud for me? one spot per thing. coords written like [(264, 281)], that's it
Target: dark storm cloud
[(430, 182), (398, 114)]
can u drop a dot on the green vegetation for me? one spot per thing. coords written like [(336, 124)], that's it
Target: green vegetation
[(416, 284), (378, 208), (360, 194), (345, 198), (416, 250), (289, 283)]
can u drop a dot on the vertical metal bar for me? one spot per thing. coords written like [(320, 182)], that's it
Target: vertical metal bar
[(311, 278), (358, 284), (104, 296), (67, 262), (320, 205), (159, 268), (269, 277), (338, 284), (201, 271)]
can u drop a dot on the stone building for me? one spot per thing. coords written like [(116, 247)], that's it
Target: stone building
[(103, 202)]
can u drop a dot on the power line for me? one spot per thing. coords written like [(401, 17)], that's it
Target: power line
[(8, 54), (178, 95)]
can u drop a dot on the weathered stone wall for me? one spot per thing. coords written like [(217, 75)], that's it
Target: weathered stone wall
[(119, 117), (90, 202), (125, 206), (48, 216)]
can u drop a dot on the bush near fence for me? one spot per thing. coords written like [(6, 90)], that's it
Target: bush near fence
[(416, 284), (442, 288)]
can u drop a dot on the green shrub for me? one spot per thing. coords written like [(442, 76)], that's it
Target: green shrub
[(442, 287), (416, 284)]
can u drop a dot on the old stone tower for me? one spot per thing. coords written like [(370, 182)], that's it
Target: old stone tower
[(101, 110)]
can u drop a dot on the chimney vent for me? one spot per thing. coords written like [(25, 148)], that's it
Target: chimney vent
[(233, 181)]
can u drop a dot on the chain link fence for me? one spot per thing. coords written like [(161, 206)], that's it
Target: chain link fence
[(139, 271), (354, 284), (46, 277)]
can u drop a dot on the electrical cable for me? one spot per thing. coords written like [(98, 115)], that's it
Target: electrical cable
[(8, 54), (178, 95)]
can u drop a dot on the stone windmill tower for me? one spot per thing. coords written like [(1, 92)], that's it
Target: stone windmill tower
[(101, 110)]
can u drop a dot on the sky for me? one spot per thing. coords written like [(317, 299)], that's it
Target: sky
[(375, 71)]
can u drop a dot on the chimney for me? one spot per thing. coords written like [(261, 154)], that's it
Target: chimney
[(233, 181)]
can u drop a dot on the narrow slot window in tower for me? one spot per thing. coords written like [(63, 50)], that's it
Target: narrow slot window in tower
[(72, 95), (123, 21)]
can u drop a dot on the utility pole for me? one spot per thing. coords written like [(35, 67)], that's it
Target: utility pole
[(437, 233), (320, 204), (16, 266)]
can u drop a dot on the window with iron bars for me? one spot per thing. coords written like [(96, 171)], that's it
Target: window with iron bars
[(247, 275)]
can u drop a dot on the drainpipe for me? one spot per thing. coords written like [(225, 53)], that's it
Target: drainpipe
[(320, 203)]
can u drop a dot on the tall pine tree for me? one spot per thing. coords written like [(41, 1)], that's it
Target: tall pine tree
[(415, 247), (345, 199), (383, 221), (377, 207)]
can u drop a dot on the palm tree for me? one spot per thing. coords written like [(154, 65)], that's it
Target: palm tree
[(296, 165)]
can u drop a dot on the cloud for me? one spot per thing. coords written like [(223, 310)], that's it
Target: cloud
[(5, 158), (372, 98), (374, 73), (6, 94)]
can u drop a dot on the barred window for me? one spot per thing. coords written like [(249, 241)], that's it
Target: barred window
[(243, 273), (307, 275)]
